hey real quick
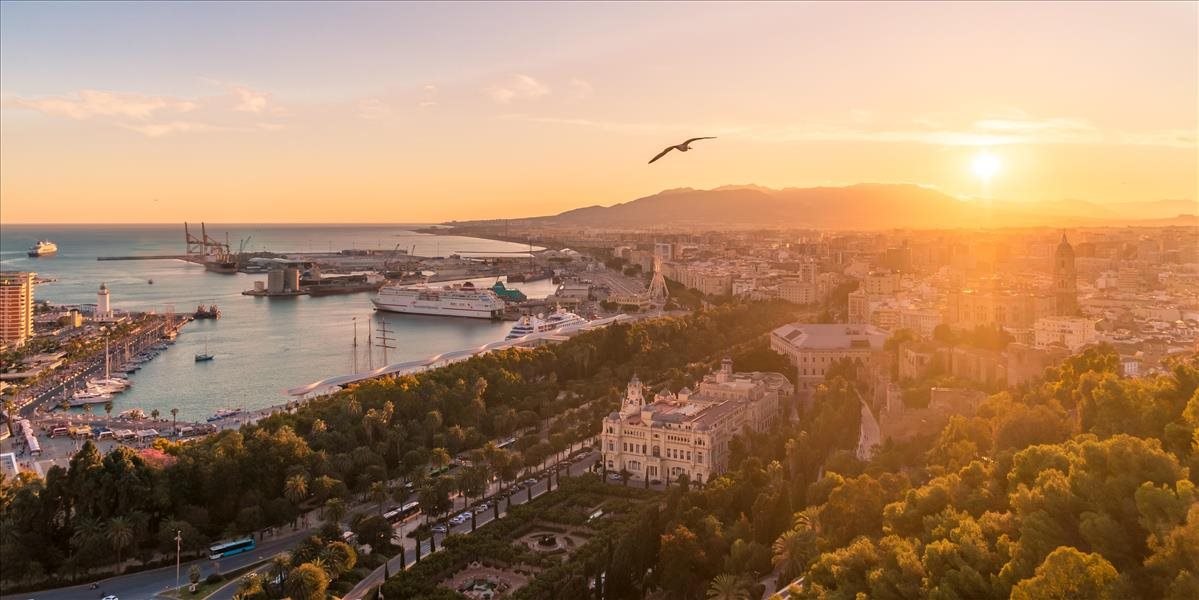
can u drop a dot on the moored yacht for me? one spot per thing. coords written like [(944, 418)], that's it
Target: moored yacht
[(529, 324)]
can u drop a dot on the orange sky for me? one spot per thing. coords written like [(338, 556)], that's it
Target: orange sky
[(418, 113)]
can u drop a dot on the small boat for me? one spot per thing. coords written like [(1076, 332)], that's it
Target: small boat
[(205, 356)]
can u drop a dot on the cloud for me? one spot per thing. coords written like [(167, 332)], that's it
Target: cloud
[(157, 116), (249, 100), (373, 108), (517, 87), (581, 88), (86, 104), (167, 128), (1008, 130)]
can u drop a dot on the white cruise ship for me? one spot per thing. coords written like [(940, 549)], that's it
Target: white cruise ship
[(541, 324), (463, 300), (43, 248)]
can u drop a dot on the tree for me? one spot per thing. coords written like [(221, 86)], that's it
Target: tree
[(335, 509), (296, 489), (120, 535), (339, 558), (728, 587), (307, 582), (378, 494), (792, 552), (1068, 574)]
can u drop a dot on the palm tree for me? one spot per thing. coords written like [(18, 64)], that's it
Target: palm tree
[(728, 587), (794, 549), (378, 494), (120, 535), (335, 509)]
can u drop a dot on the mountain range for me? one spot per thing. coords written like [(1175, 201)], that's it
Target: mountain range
[(861, 206)]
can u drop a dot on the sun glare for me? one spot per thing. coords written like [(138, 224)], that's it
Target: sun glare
[(985, 166)]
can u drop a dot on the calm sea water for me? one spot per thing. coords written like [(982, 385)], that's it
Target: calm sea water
[(263, 346)]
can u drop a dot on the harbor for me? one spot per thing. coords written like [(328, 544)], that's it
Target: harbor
[(261, 346)]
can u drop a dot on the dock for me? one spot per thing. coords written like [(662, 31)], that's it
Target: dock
[(146, 257)]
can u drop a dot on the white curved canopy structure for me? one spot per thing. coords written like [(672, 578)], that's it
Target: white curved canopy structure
[(331, 383)]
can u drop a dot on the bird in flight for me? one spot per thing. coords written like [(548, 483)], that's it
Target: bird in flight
[(683, 147)]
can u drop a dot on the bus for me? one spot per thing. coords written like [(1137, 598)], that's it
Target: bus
[(403, 513), (230, 548)]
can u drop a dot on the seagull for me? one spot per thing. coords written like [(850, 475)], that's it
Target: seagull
[(683, 147)]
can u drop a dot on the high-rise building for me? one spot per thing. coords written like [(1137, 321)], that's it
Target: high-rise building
[(1065, 279), (16, 307)]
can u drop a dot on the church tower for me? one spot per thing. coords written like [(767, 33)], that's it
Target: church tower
[(1065, 279)]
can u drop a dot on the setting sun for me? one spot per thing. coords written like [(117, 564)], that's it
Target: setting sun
[(985, 166)]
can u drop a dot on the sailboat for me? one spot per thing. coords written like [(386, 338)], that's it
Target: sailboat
[(205, 356)]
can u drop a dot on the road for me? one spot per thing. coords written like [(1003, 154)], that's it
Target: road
[(146, 585), (520, 497)]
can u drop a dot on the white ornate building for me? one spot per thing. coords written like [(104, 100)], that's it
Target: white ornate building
[(688, 433)]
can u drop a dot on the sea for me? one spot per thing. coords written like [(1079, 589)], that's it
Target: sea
[(262, 346)]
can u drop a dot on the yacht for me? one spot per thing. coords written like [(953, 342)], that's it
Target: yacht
[(464, 300), (43, 248), (540, 324)]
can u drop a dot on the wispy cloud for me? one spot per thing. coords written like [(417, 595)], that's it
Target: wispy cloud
[(157, 116), (517, 87), (581, 88), (981, 132), (86, 104)]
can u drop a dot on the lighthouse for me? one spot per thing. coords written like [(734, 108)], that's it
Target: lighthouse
[(103, 305)]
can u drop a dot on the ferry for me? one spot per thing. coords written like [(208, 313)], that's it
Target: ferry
[(464, 300), (43, 248), (541, 324)]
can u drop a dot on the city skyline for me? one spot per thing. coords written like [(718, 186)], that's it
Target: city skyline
[(428, 113)]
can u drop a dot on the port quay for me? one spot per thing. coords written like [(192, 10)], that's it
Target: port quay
[(332, 384)]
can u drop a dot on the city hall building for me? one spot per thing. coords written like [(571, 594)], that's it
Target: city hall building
[(688, 432)]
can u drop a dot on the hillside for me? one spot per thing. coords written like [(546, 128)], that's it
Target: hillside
[(862, 206)]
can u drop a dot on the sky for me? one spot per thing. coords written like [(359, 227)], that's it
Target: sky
[(409, 112)]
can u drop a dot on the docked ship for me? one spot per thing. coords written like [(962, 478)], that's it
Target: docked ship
[(207, 312), (529, 324), (463, 300), (43, 248)]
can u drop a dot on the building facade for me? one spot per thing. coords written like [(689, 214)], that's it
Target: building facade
[(815, 348), (688, 432), (16, 308)]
